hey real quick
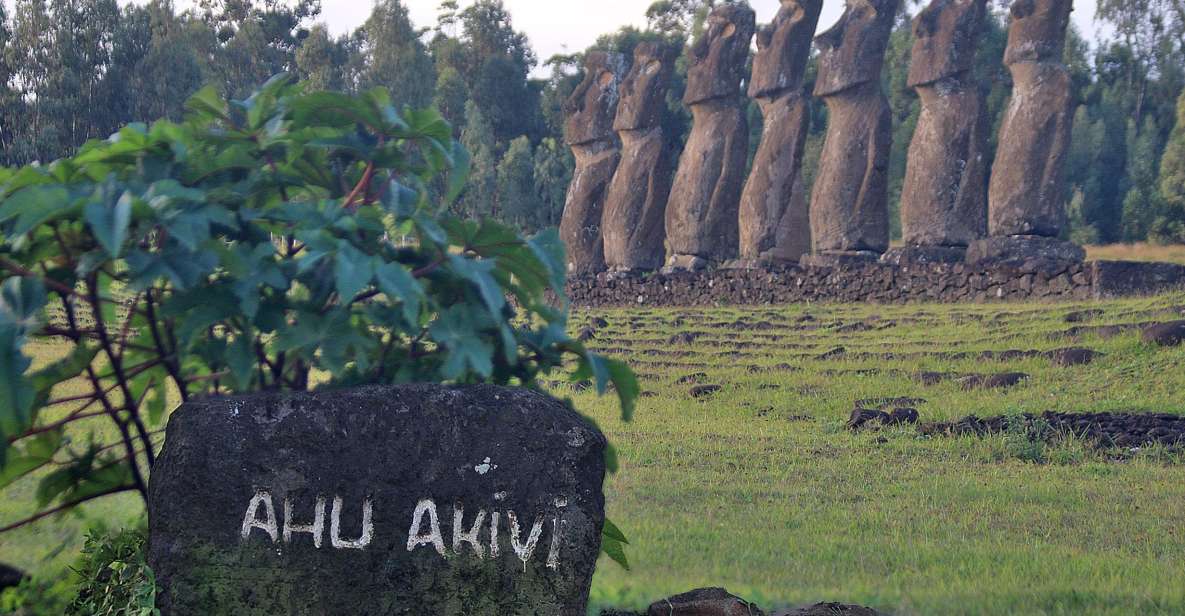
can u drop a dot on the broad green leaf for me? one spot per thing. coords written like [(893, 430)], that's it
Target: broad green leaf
[(459, 174), (400, 286), (615, 550), (353, 272), (457, 329), (21, 303), (240, 357), (33, 454), (611, 531), (208, 102), (109, 222), (33, 206)]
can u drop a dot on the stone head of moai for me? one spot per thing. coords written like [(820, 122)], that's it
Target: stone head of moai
[(593, 105), (717, 59), (783, 47), (644, 90), (1038, 31), (945, 35), (852, 52)]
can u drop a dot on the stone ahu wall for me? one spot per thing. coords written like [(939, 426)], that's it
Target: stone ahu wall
[(883, 283)]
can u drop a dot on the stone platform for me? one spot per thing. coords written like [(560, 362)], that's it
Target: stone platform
[(884, 283)]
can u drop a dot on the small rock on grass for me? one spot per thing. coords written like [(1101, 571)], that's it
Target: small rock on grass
[(704, 602), (703, 391), (992, 381), (829, 609), (1073, 356)]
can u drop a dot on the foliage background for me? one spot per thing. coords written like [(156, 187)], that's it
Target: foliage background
[(71, 70)]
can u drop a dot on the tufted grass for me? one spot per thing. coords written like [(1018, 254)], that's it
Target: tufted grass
[(1173, 253), (738, 490), (760, 489)]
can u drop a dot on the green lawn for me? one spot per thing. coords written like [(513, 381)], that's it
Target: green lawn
[(759, 488)]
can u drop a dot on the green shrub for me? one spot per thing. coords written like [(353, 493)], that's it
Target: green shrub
[(114, 578), (288, 241)]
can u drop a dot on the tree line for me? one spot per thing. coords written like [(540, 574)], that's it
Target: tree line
[(74, 70)]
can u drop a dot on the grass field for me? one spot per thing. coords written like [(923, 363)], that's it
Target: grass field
[(759, 487), (1137, 252)]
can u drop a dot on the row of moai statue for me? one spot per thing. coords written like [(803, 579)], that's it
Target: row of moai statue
[(629, 208)]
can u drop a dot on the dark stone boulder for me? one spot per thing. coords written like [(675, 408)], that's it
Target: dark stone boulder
[(1165, 334), (862, 418), (703, 391), (992, 381), (10, 577), (1073, 356), (902, 417), (417, 499), (704, 602)]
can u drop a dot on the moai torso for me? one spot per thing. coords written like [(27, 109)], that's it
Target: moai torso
[(634, 209), (1025, 197), (701, 216), (849, 203), (944, 197), (774, 219), (588, 129)]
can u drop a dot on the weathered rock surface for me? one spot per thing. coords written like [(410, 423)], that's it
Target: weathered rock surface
[(1102, 429), (702, 213), (1165, 334), (774, 214), (387, 500), (1019, 248), (704, 602), (635, 208), (588, 129), (1037, 280), (1026, 191), (944, 197), (849, 208), (829, 609), (11, 577)]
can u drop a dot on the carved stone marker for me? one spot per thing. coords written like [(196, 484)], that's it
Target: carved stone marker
[(417, 499), (702, 214), (849, 203), (588, 129), (1026, 210), (633, 222), (944, 198), (774, 216)]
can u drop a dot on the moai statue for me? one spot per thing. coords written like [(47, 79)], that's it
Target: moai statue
[(637, 201), (774, 217), (849, 203), (701, 216), (589, 131), (1026, 209), (944, 198)]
